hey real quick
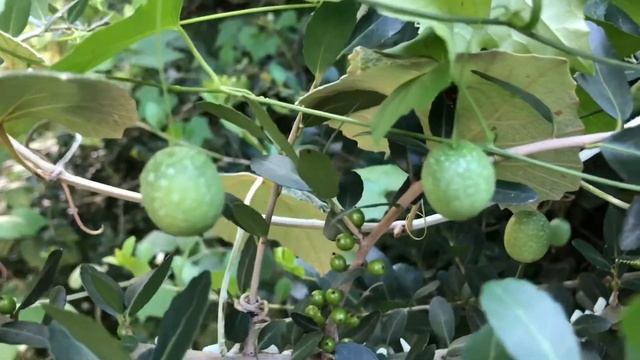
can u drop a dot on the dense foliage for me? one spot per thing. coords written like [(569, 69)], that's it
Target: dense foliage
[(350, 179)]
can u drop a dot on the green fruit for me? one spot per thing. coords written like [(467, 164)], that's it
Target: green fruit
[(339, 316), (353, 321), (559, 232), (311, 311), (333, 297), (7, 305), (328, 344), (458, 180), (317, 298), (376, 267), (345, 241), (319, 320), (182, 191), (357, 217), (526, 237), (338, 263)]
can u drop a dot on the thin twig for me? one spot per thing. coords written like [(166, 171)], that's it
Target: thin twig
[(604, 196)]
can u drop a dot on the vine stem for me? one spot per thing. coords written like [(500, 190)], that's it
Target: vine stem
[(604, 196), (256, 10)]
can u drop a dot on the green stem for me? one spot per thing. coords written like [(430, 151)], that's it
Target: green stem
[(199, 58), (172, 88), (604, 196), (257, 10), (597, 179), (520, 271)]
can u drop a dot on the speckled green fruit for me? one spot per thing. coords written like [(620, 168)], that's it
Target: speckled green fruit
[(182, 191), (560, 232), (458, 180), (526, 237), (7, 305)]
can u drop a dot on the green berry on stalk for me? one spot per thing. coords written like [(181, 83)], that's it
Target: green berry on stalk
[(338, 263), (182, 191), (333, 297), (356, 217), (376, 267), (319, 320), (559, 232), (317, 298), (7, 305), (312, 310), (328, 344), (339, 316), (458, 180), (345, 241), (353, 321), (526, 237)]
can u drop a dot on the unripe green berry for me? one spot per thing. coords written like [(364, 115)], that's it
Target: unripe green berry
[(7, 305), (345, 241), (526, 237), (339, 316), (357, 217), (333, 297), (338, 263), (311, 311), (559, 232), (376, 267), (317, 298), (328, 344)]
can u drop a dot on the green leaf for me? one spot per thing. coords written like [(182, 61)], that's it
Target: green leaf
[(630, 237), (287, 259), (510, 193), (484, 345), (590, 324), (631, 7), (304, 322), (57, 298), (327, 34), (14, 16), (233, 116), (394, 326), (366, 328), (373, 31), (279, 169), (236, 324), (245, 265), (16, 54), (140, 292), (272, 130), (89, 106), (272, 334), (64, 346), (350, 189), (317, 170), (45, 279), (102, 289), (514, 122), (417, 93), (470, 8), (528, 321), (24, 333), (624, 43), (181, 322), (622, 151), (379, 181), (89, 333), (244, 216), (306, 346), (354, 351), (631, 324), (76, 11), (150, 18), (591, 254), (441, 319), (21, 223)]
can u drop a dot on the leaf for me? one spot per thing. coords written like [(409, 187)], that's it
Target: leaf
[(57, 298), (89, 106), (279, 169), (366, 328), (317, 170), (631, 7), (307, 243), (272, 334), (484, 345), (354, 351), (287, 259), (89, 333), (14, 16), (149, 18), (394, 325), (624, 43), (417, 93), (304, 322), (236, 325), (630, 237), (76, 11), (20, 223), (181, 323), (306, 346), (64, 346), (327, 33), (24, 333), (16, 54), (141, 291), (233, 116), (373, 30), (245, 265), (590, 324), (532, 100), (622, 151), (510, 193), (426, 290), (346, 102), (514, 122), (379, 182), (244, 216), (631, 324), (471, 8), (272, 130), (591, 254), (608, 85), (528, 321), (441, 319), (102, 289), (350, 189), (45, 280)]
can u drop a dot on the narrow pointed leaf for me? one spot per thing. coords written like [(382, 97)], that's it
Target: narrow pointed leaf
[(306, 346), (102, 289), (279, 169), (272, 130), (45, 279), (64, 346), (139, 293), (14, 16), (233, 116), (244, 216), (630, 237), (317, 170), (24, 333), (591, 254), (441, 319), (57, 298), (622, 152)]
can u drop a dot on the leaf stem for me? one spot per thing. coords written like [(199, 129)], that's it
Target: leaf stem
[(604, 196), (256, 10), (194, 50)]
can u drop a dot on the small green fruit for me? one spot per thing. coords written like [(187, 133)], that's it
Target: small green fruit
[(333, 297), (319, 320), (338, 263), (458, 180), (526, 237), (182, 191), (339, 316), (7, 305), (312, 311), (345, 241), (560, 232), (317, 298), (328, 344), (353, 321), (357, 217), (376, 267)]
